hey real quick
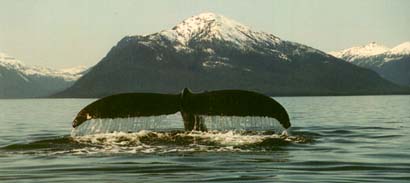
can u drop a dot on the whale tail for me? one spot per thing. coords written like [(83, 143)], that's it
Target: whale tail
[(129, 105), (192, 106)]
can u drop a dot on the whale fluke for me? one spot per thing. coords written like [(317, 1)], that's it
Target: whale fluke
[(129, 105), (192, 106)]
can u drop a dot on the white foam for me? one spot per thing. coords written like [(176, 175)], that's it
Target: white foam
[(170, 142)]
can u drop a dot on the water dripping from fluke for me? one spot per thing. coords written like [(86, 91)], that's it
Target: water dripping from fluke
[(169, 123)]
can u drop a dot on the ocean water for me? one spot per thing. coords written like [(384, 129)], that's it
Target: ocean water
[(332, 139)]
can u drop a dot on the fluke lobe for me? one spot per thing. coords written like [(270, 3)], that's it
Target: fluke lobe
[(192, 106)]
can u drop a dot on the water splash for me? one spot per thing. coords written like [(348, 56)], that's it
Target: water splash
[(146, 141), (195, 141), (166, 134)]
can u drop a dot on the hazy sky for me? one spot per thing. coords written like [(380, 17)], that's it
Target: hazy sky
[(67, 33)]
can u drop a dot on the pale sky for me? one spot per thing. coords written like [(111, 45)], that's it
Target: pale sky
[(68, 33)]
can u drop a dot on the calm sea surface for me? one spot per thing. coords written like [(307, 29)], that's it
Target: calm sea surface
[(332, 139)]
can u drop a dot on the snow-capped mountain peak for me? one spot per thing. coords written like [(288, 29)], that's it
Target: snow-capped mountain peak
[(69, 74), (6, 59), (360, 51), (392, 64), (74, 70), (10, 62), (216, 26), (373, 50), (211, 26), (401, 49)]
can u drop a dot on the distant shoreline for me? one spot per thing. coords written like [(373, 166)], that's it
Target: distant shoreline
[(313, 95)]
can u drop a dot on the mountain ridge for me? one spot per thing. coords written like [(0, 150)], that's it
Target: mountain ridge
[(392, 64), (372, 49), (18, 80), (210, 51)]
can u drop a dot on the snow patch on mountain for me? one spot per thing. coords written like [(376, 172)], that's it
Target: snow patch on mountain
[(216, 64)]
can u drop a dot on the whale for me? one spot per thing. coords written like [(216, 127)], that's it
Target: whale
[(191, 106)]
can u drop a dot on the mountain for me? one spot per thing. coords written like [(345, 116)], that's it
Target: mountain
[(20, 81), (210, 51), (392, 64)]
